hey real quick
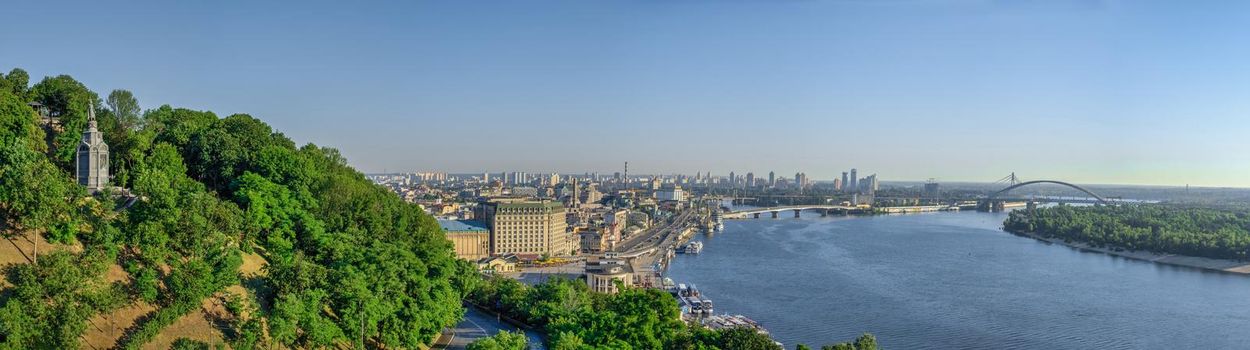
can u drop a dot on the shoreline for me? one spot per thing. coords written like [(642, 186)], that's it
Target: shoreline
[(1219, 265)]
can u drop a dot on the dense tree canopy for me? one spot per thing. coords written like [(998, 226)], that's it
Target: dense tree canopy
[(574, 318), (501, 341), (349, 263), (1206, 232)]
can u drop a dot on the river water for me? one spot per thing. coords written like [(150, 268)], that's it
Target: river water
[(956, 281)]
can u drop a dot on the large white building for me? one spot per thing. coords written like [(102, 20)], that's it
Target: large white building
[(673, 193)]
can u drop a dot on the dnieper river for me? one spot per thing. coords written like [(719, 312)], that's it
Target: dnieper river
[(956, 281)]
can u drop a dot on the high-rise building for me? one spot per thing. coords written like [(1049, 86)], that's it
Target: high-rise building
[(527, 227), (845, 182), (854, 180), (93, 156), (772, 179), (837, 184), (733, 181), (750, 179), (931, 188)]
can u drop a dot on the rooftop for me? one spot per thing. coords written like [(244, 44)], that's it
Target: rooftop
[(462, 225)]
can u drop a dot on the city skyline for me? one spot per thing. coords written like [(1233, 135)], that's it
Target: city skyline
[(1099, 92)]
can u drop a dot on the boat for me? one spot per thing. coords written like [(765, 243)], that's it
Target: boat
[(692, 248)]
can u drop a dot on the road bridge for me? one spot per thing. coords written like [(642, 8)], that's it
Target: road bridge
[(774, 211), (995, 201)]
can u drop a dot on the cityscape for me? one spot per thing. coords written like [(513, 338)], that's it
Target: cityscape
[(674, 175)]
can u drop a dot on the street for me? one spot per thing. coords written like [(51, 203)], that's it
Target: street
[(477, 325)]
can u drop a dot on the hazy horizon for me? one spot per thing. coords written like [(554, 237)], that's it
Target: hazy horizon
[(1091, 92)]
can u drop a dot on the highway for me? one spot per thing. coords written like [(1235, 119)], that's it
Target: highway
[(651, 237)]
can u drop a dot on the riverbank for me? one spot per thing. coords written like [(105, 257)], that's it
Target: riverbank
[(1222, 265)]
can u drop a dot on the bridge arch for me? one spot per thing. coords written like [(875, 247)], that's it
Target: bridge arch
[(1026, 183)]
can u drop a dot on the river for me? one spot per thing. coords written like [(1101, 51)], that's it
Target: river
[(955, 280)]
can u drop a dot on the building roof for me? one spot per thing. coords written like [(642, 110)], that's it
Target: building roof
[(542, 204), (462, 225)]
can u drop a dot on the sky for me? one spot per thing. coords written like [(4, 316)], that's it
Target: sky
[(1095, 92)]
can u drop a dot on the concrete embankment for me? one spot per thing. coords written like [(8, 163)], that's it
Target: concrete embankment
[(1223, 265)]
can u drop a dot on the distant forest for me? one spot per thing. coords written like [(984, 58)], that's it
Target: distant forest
[(1218, 233)]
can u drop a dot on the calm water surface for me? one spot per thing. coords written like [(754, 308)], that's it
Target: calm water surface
[(954, 280)]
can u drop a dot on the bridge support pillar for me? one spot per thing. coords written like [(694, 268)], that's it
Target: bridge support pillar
[(796, 213), (824, 213), (774, 215), (756, 215)]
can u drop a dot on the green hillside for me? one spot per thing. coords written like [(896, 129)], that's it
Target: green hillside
[(348, 263)]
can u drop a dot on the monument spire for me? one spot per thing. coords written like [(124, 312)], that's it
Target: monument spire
[(91, 124), (92, 161)]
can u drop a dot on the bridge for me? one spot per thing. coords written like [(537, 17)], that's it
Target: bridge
[(775, 211), (994, 202)]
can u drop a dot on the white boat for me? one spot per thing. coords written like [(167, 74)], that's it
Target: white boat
[(692, 248)]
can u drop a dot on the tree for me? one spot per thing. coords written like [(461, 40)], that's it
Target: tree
[(17, 120), (34, 195), (16, 82), (69, 99), (504, 340), (188, 344), (125, 108), (746, 339), (865, 341), (51, 301)]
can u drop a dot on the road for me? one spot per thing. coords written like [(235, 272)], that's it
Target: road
[(643, 241), (477, 325)]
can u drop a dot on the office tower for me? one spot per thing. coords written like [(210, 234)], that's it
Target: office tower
[(845, 182), (750, 179), (772, 179), (854, 180)]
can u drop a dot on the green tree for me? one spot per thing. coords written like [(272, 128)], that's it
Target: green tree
[(69, 99), (125, 108), (746, 339), (188, 344), (16, 82), (17, 120), (504, 340), (34, 195), (51, 300)]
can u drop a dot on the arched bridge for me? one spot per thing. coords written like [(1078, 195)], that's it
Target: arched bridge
[(1026, 183), (824, 210)]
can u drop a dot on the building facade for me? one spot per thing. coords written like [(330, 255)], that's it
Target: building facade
[(670, 193), (527, 227), (471, 239), (602, 276)]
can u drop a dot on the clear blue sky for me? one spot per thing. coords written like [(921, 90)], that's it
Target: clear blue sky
[(1142, 92)]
